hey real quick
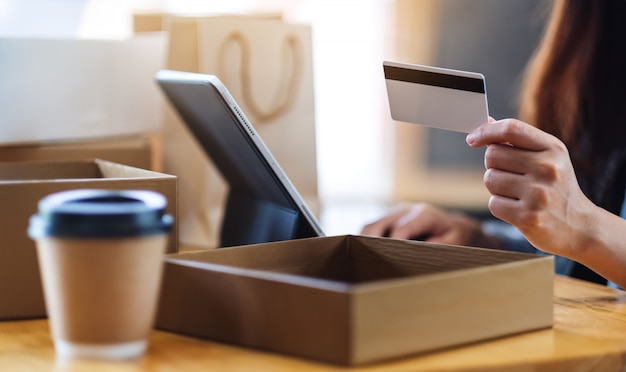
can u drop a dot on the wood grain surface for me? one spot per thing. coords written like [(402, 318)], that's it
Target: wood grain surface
[(589, 334)]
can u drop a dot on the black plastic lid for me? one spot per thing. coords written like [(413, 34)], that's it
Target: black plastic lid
[(91, 213)]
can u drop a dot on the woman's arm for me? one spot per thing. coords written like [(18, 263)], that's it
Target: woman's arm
[(534, 187)]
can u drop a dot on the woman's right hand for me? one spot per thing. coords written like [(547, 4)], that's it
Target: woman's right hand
[(431, 224)]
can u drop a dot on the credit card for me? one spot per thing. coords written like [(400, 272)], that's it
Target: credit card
[(436, 97)]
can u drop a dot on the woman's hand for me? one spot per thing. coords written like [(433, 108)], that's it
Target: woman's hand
[(431, 224), (533, 187)]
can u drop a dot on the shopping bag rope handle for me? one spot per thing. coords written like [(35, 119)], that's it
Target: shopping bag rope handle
[(288, 84)]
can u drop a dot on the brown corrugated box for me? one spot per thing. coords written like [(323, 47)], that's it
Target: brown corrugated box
[(140, 152), (354, 300), (22, 185)]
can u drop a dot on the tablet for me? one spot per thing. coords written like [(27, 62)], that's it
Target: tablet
[(262, 204)]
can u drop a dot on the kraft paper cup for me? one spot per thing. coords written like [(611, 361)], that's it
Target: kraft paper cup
[(100, 256)]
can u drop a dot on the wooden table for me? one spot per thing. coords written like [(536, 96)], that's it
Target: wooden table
[(589, 334)]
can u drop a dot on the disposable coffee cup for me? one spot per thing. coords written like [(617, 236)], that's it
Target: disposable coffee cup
[(100, 255)]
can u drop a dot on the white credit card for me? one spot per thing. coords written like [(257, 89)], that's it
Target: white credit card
[(436, 97)]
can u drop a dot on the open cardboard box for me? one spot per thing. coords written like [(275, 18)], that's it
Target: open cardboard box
[(353, 299), (22, 185)]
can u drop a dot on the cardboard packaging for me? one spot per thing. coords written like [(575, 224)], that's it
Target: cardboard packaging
[(22, 185), (148, 21), (353, 300), (136, 152)]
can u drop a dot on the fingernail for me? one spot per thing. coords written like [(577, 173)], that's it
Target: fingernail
[(470, 139)]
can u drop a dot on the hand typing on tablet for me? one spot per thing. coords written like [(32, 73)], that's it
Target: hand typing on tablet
[(431, 224)]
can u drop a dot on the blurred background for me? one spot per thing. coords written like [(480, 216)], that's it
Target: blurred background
[(364, 162)]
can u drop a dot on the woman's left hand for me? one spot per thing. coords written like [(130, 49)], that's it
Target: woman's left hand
[(533, 186)]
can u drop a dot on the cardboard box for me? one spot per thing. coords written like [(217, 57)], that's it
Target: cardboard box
[(22, 185), (148, 21), (136, 152), (353, 300)]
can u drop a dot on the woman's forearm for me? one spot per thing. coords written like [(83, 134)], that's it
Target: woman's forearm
[(602, 246)]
